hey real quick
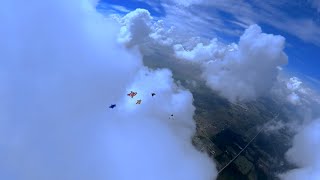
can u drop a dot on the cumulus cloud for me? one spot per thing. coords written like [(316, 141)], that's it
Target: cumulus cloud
[(202, 52), (161, 34), (136, 27), (244, 71), (294, 89), (139, 28), (295, 92), (250, 71), (294, 83), (61, 67), (305, 154)]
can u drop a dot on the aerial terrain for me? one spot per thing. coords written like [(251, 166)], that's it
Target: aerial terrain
[(160, 90)]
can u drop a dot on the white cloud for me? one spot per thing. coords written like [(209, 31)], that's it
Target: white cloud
[(136, 27), (120, 8), (146, 155), (160, 34), (190, 22), (294, 83), (201, 52), (187, 2), (139, 28), (205, 17), (305, 29), (154, 4), (249, 71), (61, 67), (296, 92), (292, 91), (238, 72), (305, 154), (293, 98)]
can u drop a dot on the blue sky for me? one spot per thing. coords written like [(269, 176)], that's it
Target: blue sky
[(298, 21)]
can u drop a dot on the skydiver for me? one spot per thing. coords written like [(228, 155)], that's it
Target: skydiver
[(112, 106), (138, 101), (132, 94)]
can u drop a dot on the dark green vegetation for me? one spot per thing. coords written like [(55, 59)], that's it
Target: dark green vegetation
[(224, 128)]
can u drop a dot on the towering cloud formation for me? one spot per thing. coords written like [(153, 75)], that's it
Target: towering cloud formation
[(138, 28), (305, 154), (60, 69), (251, 70), (241, 72)]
